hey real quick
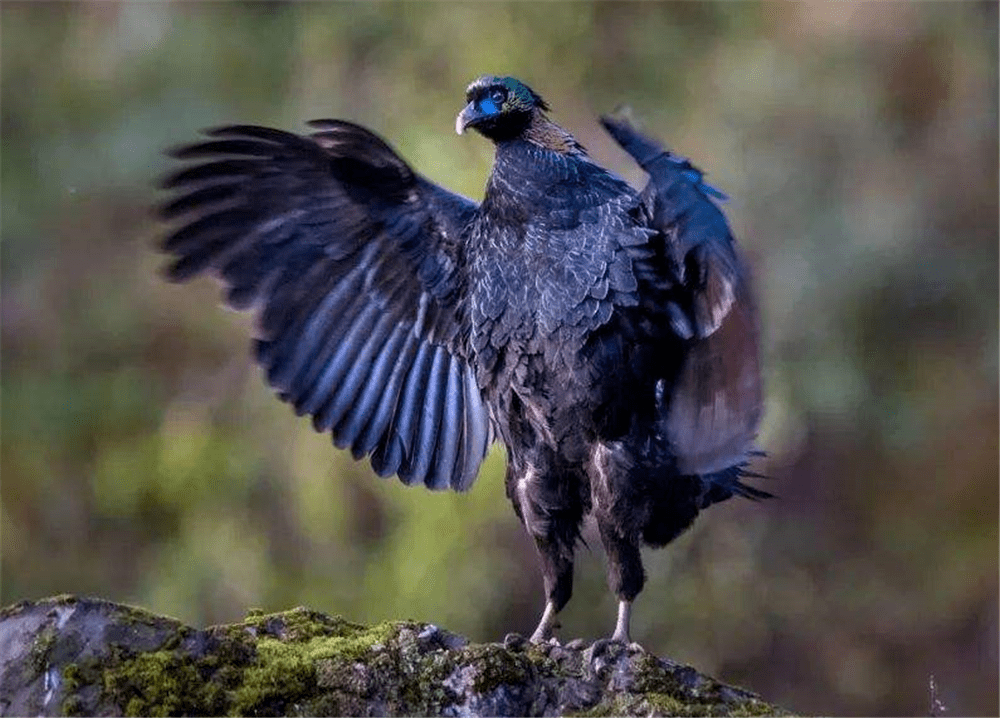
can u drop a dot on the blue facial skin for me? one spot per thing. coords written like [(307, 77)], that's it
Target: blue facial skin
[(487, 107)]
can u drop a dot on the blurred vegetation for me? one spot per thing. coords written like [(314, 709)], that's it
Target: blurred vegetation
[(144, 460)]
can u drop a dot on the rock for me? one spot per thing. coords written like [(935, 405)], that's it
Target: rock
[(84, 656)]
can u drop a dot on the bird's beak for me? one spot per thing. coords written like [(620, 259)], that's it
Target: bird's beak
[(466, 117)]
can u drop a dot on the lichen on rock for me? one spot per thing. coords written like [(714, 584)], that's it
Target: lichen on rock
[(82, 656)]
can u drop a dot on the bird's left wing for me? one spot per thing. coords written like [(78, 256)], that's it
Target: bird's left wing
[(713, 410), (354, 265), (698, 243)]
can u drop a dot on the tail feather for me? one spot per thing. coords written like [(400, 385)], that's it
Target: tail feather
[(721, 485)]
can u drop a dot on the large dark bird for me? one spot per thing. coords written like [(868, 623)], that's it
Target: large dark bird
[(607, 337)]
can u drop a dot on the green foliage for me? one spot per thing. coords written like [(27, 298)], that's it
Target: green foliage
[(143, 458)]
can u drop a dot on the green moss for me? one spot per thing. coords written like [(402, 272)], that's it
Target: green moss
[(652, 677), (287, 670), (136, 614), (77, 676), (758, 708), (667, 704), (281, 673), (496, 667), (72, 678), (617, 706), (300, 624), (41, 648), (63, 599), (421, 685), (258, 666), (161, 683), (648, 704), (354, 643), (73, 706)]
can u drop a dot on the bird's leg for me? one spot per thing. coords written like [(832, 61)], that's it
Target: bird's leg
[(621, 627), (625, 573), (557, 572), (547, 625), (549, 505)]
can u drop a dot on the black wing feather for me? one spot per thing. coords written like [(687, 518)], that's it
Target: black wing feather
[(477, 436), (376, 433), (353, 263), (398, 440), (322, 390), (422, 456), (450, 433), (340, 401)]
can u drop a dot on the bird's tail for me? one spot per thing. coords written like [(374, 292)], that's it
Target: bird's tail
[(721, 485)]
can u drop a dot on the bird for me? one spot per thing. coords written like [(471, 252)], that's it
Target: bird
[(607, 337)]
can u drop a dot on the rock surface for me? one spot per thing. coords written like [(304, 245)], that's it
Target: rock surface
[(84, 656)]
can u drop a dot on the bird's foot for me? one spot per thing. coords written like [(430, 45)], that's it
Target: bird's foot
[(548, 639), (546, 626)]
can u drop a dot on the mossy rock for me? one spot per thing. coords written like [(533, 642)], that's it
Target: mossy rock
[(82, 656)]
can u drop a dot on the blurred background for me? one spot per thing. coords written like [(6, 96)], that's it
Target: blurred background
[(144, 460)]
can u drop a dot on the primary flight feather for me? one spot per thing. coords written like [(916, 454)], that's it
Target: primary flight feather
[(607, 337)]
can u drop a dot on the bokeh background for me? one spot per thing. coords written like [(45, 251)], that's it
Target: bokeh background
[(144, 460)]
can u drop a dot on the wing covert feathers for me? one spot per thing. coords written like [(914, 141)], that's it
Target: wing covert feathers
[(696, 233)]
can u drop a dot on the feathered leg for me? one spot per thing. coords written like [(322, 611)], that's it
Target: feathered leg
[(626, 576), (551, 511), (557, 573), (617, 483)]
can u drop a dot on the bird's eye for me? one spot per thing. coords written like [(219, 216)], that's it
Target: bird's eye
[(498, 96)]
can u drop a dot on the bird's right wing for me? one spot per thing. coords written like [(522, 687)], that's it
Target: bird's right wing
[(353, 263), (715, 402)]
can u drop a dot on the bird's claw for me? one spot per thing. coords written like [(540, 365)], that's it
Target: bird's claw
[(544, 640)]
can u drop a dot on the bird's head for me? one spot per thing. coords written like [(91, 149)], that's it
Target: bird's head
[(499, 107)]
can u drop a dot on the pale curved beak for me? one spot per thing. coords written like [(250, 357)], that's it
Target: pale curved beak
[(467, 115)]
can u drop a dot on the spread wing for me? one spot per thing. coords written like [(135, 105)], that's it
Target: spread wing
[(353, 264), (713, 409)]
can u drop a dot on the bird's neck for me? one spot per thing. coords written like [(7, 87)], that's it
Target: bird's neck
[(545, 133)]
